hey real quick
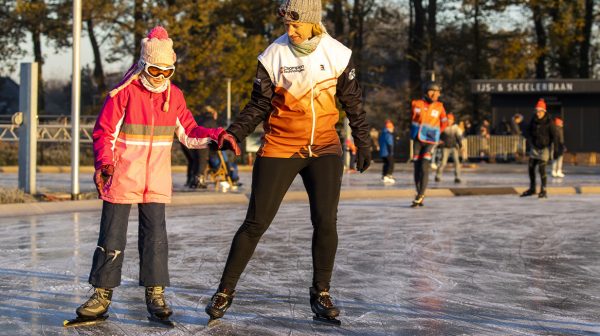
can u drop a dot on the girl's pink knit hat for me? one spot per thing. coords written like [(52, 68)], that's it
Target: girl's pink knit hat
[(157, 48)]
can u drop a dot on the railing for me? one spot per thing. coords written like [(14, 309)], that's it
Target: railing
[(495, 147), (48, 133), (9, 132)]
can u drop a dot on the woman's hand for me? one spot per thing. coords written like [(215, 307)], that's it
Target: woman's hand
[(228, 141)]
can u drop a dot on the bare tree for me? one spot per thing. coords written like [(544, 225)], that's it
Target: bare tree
[(584, 49), (416, 45)]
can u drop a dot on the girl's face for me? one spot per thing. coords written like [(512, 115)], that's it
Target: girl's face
[(298, 32), (156, 82)]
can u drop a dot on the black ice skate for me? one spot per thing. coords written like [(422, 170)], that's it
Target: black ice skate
[(322, 305), (543, 193), (93, 310), (219, 303), (157, 306), (528, 192), (418, 202)]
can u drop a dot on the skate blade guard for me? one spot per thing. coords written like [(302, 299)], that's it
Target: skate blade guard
[(84, 321)]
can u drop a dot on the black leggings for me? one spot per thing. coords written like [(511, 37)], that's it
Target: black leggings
[(422, 162), (542, 170), (271, 178)]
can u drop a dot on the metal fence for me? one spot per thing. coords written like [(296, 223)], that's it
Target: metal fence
[(475, 147), (48, 133), (494, 147), (50, 129)]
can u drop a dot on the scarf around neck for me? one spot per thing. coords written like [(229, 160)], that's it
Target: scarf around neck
[(153, 89), (305, 48)]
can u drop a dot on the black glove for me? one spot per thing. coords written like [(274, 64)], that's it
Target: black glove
[(363, 158)]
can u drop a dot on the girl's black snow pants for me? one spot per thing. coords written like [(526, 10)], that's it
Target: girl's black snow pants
[(152, 245)]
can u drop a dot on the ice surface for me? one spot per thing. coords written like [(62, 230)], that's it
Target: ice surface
[(484, 175), (459, 266)]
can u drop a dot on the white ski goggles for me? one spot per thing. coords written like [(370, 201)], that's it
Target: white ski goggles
[(155, 71)]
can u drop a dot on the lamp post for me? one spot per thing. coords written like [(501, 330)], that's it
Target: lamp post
[(228, 101), (75, 99)]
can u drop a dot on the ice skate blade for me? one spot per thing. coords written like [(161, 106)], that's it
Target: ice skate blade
[(84, 321), (166, 322), (327, 320), (213, 322)]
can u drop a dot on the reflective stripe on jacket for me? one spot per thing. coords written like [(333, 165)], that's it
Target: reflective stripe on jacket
[(134, 134)]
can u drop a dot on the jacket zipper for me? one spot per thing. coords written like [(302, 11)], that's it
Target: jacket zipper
[(149, 152)]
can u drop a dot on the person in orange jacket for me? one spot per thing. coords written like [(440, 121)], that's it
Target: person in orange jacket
[(352, 150), (428, 122)]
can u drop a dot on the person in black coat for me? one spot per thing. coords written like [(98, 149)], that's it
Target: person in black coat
[(541, 135)]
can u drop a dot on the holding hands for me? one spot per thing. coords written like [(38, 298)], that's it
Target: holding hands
[(227, 141)]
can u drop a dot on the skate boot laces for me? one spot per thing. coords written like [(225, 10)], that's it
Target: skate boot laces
[(100, 296), (325, 299), (220, 300), (156, 296)]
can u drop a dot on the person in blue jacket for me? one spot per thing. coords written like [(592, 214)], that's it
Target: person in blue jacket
[(386, 152)]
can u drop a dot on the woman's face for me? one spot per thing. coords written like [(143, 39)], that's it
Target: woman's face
[(298, 32), (156, 82)]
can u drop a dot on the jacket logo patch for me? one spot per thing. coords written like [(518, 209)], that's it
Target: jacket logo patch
[(285, 69), (417, 110), (352, 74), (435, 113)]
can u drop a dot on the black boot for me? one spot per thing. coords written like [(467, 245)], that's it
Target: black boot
[(156, 304), (322, 305), (543, 193), (528, 192), (419, 199), (219, 303)]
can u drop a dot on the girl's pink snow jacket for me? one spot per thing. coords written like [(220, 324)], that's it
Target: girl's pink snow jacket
[(134, 134)]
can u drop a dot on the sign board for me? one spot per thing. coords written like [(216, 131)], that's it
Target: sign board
[(553, 86)]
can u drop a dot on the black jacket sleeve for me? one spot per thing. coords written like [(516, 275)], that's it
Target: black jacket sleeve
[(349, 93), (257, 109)]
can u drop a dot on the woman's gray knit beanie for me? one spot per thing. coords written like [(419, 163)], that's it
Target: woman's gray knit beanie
[(309, 10)]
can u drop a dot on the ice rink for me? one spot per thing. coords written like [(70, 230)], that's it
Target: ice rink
[(492, 265)]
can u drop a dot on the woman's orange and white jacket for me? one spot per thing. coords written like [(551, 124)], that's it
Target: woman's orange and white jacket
[(135, 135), (295, 97)]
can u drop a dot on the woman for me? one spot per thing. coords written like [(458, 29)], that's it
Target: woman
[(297, 80)]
